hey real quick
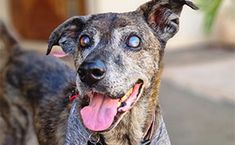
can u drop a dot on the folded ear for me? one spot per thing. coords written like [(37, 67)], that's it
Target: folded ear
[(163, 16), (65, 35), (8, 45), (7, 39)]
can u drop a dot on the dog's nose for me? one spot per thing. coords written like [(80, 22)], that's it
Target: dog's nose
[(91, 72)]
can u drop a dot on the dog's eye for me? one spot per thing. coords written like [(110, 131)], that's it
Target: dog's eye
[(85, 41), (133, 41)]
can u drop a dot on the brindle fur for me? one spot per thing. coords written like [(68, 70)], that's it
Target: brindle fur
[(155, 23), (32, 94), (32, 86)]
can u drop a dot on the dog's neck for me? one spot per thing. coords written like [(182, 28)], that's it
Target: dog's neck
[(77, 134)]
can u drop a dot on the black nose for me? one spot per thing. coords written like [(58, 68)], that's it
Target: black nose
[(91, 72)]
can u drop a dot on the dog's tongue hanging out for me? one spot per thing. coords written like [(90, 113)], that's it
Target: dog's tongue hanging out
[(100, 113)]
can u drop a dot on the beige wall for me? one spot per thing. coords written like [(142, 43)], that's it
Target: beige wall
[(101, 6), (4, 15)]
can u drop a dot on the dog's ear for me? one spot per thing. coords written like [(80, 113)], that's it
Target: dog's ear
[(8, 45), (65, 35), (163, 16), (7, 39)]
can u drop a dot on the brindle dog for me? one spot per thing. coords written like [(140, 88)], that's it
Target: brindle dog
[(118, 59), (33, 90)]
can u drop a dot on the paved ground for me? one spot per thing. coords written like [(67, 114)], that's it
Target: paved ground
[(193, 119), (197, 96)]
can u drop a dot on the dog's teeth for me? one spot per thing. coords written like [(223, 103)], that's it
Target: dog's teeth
[(119, 104), (126, 95), (122, 102)]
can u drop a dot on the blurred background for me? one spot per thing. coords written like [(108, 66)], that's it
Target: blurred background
[(198, 85)]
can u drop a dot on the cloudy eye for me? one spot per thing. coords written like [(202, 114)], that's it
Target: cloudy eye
[(85, 41), (133, 41)]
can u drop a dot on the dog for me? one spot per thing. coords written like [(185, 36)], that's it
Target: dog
[(118, 83), (118, 58), (34, 95)]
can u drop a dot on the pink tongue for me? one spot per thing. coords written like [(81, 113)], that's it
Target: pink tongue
[(100, 113)]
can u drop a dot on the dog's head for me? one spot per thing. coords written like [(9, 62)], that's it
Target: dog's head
[(117, 56)]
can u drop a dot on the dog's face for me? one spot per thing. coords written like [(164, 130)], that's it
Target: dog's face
[(116, 57), (116, 47)]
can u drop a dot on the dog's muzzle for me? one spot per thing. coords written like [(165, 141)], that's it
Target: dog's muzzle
[(103, 112)]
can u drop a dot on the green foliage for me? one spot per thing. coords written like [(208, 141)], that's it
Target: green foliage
[(210, 9)]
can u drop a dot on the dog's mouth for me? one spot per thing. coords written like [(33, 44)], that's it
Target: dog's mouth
[(103, 113)]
